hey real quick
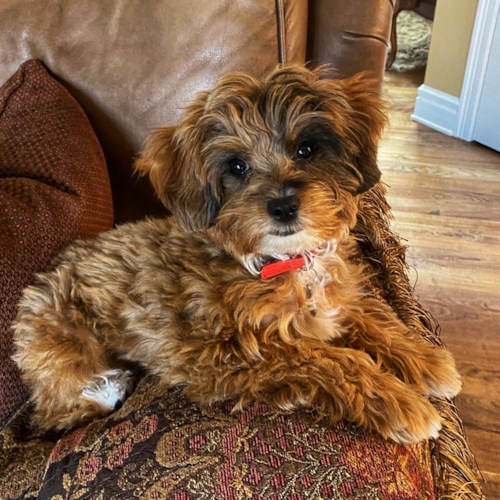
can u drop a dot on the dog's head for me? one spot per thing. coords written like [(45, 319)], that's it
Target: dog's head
[(270, 167)]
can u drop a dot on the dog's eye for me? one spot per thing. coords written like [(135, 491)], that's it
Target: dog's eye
[(237, 166), (306, 150)]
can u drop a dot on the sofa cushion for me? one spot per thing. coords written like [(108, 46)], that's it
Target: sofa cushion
[(161, 446), (54, 188)]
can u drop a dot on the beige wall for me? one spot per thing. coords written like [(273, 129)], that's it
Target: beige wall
[(451, 35)]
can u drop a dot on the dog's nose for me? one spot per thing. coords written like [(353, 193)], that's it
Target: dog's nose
[(284, 209)]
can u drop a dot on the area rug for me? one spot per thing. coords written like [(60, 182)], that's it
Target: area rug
[(414, 38)]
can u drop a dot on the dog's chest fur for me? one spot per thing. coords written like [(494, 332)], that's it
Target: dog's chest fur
[(177, 290)]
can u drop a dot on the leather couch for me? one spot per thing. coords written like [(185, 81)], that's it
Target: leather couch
[(132, 66)]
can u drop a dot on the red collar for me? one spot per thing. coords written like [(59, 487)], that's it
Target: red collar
[(283, 266)]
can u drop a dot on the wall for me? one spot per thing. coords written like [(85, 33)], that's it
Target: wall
[(451, 35)]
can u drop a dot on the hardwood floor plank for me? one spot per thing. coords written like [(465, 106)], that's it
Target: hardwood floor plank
[(468, 321), (449, 186), (436, 202), (468, 234), (439, 272), (422, 166)]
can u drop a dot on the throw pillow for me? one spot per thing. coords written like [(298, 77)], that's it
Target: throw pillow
[(54, 188)]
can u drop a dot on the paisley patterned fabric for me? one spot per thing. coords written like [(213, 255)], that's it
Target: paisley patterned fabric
[(161, 446)]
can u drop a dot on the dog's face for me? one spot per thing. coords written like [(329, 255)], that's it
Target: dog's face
[(270, 167)]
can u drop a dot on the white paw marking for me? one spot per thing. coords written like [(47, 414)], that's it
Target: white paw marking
[(407, 436), (109, 388), (447, 390)]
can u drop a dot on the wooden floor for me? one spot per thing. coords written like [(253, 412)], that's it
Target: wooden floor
[(445, 195)]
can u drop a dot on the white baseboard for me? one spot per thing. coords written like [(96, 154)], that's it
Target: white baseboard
[(437, 110)]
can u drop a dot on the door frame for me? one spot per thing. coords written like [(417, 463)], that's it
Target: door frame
[(487, 17)]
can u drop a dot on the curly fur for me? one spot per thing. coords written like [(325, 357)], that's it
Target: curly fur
[(182, 298)]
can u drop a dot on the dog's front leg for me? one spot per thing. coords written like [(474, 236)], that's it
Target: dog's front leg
[(339, 382), (375, 329)]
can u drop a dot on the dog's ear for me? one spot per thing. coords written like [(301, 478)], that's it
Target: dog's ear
[(359, 116), (369, 119), (157, 159), (171, 157)]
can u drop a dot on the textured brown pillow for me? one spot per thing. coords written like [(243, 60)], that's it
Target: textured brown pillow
[(54, 188)]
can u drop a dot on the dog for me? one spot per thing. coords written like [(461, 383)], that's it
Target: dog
[(251, 290)]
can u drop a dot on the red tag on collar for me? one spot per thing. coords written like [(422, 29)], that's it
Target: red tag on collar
[(282, 266)]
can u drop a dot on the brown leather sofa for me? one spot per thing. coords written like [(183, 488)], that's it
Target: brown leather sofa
[(132, 66)]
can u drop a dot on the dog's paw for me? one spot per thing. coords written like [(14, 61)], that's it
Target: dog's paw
[(399, 413), (423, 422), (445, 388), (109, 389), (442, 379)]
